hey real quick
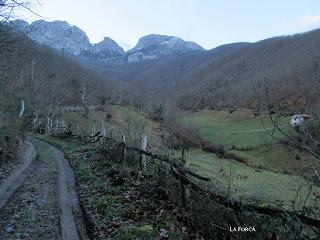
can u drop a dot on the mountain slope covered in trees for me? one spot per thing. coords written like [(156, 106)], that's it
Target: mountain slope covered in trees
[(288, 66), (236, 74), (45, 79)]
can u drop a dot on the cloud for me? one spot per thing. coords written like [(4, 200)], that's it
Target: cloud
[(309, 21)]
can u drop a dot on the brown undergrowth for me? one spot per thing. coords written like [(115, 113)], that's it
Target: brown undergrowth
[(122, 202)]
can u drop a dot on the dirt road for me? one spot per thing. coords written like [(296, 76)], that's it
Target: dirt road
[(38, 199)]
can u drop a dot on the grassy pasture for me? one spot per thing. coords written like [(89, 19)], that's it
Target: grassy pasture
[(265, 179), (279, 158), (247, 183), (241, 129), (274, 172), (118, 117), (113, 117)]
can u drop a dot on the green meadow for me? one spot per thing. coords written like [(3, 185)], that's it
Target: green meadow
[(253, 137), (249, 184), (240, 129), (275, 173)]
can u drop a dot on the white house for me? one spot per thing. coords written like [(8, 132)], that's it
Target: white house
[(298, 119)]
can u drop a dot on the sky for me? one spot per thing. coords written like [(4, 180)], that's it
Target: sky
[(209, 23)]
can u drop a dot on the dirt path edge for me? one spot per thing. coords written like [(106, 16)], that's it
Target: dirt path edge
[(11, 183), (82, 226)]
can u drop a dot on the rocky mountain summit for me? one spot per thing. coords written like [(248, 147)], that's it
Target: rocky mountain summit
[(154, 46), (61, 35), (57, 34), (106, 51), (108, 44)]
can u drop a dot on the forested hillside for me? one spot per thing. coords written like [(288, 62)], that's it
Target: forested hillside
[(230, 75), (235, 74), (45, 79), (288, 65)]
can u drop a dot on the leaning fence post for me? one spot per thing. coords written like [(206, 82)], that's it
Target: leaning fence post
[(144, 142), (183, 193), (50, 128), (186, 195), (183, 155)]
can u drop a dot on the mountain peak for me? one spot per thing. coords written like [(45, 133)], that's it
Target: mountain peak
[(60, 35), (108, 44), (172, 42), (154, 46)]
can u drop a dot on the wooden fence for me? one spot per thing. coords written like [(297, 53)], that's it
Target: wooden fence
[(149, 162), (77, 108)]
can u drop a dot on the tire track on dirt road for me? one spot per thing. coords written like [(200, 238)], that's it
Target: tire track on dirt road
[(10, 184), (71, 215), (43, 203)]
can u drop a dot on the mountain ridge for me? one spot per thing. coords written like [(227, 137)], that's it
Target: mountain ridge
[(228, 75), (60, 35)]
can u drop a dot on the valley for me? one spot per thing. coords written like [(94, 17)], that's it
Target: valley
[(149, 133), (273, 174)]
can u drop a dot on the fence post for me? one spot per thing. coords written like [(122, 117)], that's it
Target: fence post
[(63, 125), (183, 193), (103, 130), (47, 127), (124, 152), (144, 142), (186, 195), (33, 123), (41, 128), (58, 126), (55, 128), (183, 155)]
